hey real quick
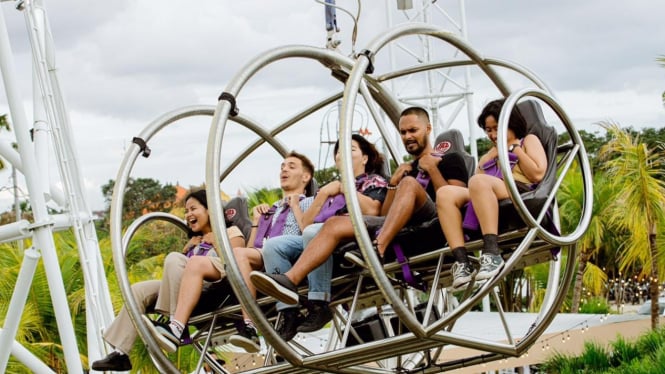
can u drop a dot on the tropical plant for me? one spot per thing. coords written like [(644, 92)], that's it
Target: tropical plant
[(638, 206), (646, 355), (571, 198)]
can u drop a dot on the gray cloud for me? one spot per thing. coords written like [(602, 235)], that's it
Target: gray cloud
[(123, 63)]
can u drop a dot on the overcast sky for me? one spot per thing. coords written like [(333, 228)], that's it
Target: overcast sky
[(124, 63)]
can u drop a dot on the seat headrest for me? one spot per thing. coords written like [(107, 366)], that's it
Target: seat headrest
[(452, 140), (312, 187), (537, 125), (236, 213), (449, 140)]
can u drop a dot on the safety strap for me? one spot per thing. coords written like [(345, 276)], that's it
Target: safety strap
[(407, 274)]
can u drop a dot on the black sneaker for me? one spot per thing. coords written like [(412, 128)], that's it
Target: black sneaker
[(462, 274), (318, 314), (247, 338), (115, 361), (490, 265), (163, 334), (276, 285), (288, 323)]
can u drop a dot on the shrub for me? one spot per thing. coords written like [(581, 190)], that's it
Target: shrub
[(595, 305)]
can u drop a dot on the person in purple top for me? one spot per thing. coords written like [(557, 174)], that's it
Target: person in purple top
[(281, 252), (285, 217), (529, 164), (409, 200)]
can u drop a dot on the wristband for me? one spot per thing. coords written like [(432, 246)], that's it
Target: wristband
[(255, 226), (391, 187)]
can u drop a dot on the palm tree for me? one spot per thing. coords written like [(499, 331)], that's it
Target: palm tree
[(570, 202), (639, 204)]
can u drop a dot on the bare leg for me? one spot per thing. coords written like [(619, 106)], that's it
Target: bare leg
[(334, 231), (449, 202), (485, 192), (248, 259), (197, 269), (409, 196)]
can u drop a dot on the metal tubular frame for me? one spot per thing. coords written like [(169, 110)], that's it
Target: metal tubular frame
[(421, 337)]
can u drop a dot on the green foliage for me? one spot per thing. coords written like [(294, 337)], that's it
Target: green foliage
[(595, 357), (651, 341), (645, 355), (623, 352), (141, 195), (595, 305), (263, 196), (325, 176)]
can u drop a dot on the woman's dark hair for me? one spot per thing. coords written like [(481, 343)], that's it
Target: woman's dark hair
[(200, 196), (516, 122), (374, 158)]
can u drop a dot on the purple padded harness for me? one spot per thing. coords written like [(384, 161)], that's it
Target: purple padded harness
[(201, 249), (266, 227), (335, 203)]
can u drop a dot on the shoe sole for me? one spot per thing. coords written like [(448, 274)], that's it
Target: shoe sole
[(270, 287), (353, 259), (107, 366), (489, 274), (164, 342), (247, 344)]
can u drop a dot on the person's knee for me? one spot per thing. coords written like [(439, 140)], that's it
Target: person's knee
[(337, 227), (268, 250), (445, 197), (173, 260), (480, 183), (408, 184), (196, 265)]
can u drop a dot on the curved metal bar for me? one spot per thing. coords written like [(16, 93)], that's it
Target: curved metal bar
[(521, 69), (450, 38), (144, 219), (352, 87), (365, 243), (117, 241), (539, 328), (213, 176), (562, 240), (270, 136), (122, 178)]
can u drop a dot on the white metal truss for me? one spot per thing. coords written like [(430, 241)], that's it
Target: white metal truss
[(436, 89), (51, 128)]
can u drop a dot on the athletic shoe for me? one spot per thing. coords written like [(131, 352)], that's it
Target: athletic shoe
[(115, 361), (247, 338), (462, 274), (318, 315), (163, 334), (276, 285), (490, 265), (287, 327)]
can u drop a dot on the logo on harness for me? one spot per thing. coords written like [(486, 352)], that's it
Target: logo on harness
[(443, 147), (230, 213)]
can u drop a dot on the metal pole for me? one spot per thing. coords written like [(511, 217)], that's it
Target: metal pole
[(17, 304), (43, 238)]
